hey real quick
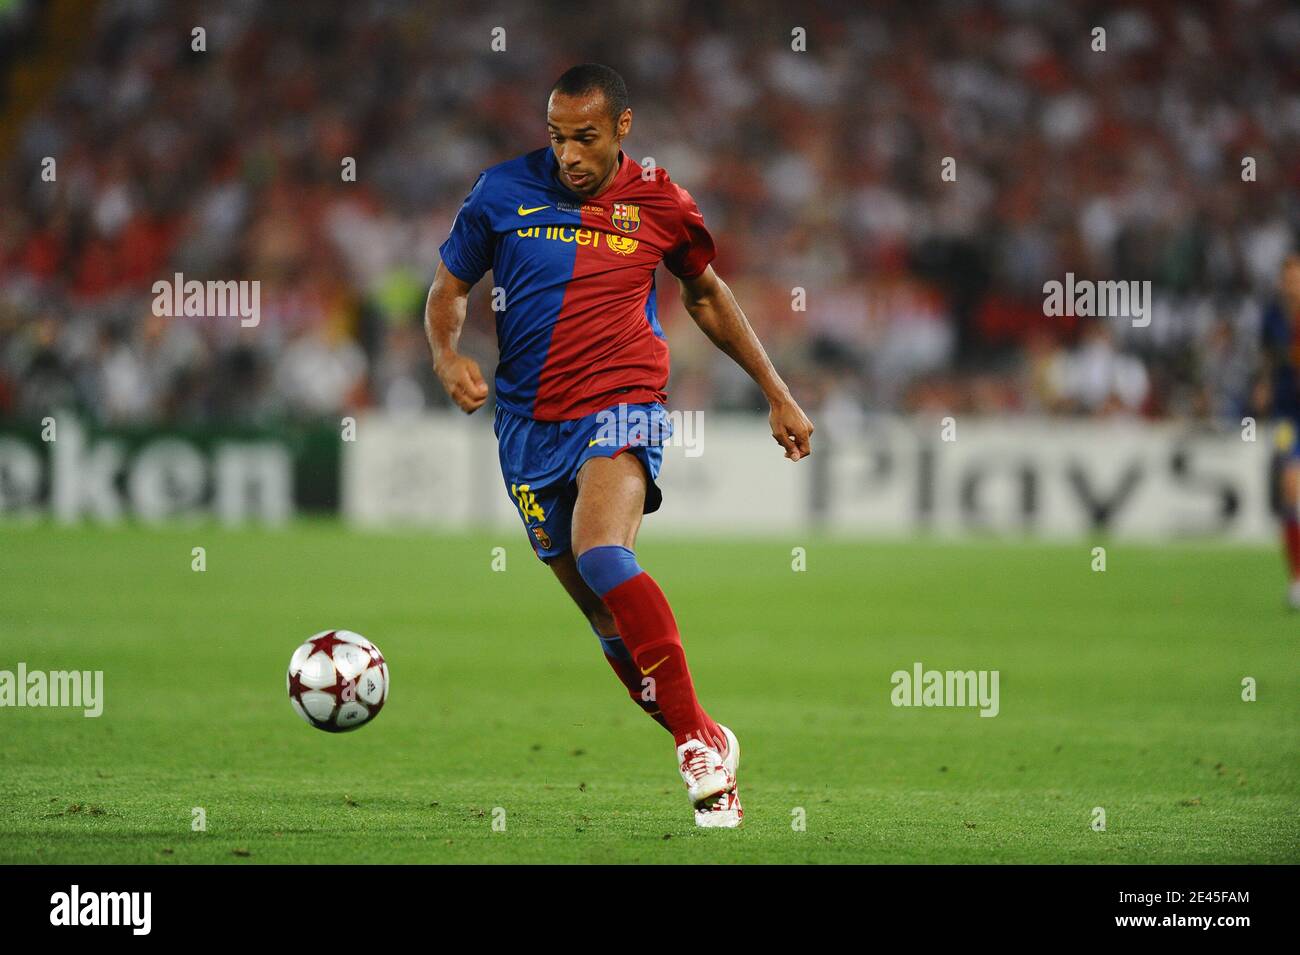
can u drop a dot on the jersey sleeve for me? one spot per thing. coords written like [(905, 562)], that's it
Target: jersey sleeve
[(467, 253), (694, 249)]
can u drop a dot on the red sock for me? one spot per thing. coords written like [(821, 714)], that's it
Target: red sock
[(627, 672), (646, 624), (1291, 540)]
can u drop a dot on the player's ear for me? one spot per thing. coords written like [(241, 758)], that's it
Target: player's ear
[(624, 124)]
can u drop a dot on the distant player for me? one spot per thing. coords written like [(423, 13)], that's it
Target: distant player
[(573, 235), (1280, 398)]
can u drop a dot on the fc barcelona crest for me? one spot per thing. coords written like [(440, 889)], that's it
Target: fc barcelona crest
[(625, 216)]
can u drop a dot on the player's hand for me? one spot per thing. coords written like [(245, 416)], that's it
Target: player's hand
[(791, 428), (464, 382)]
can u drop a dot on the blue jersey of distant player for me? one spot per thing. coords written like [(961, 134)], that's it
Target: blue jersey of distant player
[(1281, 345)]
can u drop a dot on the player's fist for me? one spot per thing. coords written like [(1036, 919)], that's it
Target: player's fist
[(464, 382), (791, 428)]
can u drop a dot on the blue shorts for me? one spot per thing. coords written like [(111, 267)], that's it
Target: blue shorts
[(540, 462)]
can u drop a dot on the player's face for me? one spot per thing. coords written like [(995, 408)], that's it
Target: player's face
[(585, 139)]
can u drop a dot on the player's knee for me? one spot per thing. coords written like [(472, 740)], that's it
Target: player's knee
[(605, 567)]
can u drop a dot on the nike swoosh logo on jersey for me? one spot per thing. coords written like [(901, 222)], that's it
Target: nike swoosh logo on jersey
[(527, 212), (647, 672)]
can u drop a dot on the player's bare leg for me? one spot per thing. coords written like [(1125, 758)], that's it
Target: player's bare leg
[(606, 517), (611, 496), (602, 623)]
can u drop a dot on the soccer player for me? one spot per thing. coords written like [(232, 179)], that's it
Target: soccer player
[(1279, 395), (573, 234)]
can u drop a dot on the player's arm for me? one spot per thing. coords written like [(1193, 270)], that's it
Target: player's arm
[(716, 311), (444, 316)]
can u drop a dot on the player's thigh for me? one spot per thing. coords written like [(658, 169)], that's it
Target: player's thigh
[(565, 568), (611, 500)]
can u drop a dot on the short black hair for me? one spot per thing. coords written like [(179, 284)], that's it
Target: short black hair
[(586, 77)]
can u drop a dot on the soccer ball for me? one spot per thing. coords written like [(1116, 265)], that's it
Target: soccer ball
[(338, 680)]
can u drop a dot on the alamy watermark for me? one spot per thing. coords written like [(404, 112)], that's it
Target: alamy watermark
[(83, 689), (74, 907), (922, 687), (177, 298), (1088, 299), (625, 426)]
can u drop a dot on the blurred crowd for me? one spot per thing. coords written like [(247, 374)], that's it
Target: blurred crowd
[(816, 169)]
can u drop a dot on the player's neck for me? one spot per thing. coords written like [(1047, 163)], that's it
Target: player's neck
[(613, 174)]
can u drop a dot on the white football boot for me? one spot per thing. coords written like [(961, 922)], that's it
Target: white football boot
[(721, 812), (710, 779)]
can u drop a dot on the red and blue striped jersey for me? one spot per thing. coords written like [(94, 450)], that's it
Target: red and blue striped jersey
[(576, 324)]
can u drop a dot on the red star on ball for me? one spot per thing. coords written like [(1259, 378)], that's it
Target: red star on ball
[(326, 643)]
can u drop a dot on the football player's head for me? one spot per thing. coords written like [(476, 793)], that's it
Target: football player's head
[(587, 117)]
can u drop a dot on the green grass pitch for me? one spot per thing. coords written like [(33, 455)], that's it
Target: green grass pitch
[(1119, 690)]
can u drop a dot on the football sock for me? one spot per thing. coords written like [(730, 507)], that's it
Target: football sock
[(1291, 540), (649, 632), (624, 668)]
